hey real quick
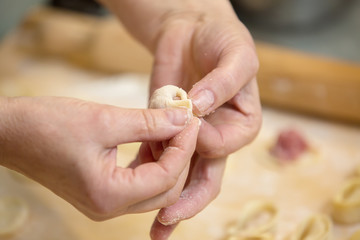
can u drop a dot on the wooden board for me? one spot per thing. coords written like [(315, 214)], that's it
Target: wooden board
[(297, 190)]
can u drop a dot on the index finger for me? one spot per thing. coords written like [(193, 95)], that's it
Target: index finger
[(150, 179), (235, 68)]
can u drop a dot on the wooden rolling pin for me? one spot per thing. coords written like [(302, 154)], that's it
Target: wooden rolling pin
[(287, 78), (308, 83), (99, 43)]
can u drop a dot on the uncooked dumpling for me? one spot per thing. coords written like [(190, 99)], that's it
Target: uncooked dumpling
[(346, 204), (255, 222), (13, 214), (170, 96), (317, 227), (355, 236), (258, 237)]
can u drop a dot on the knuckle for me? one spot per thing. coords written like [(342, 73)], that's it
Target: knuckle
[(96, 205), (215, 149), (213, 152), (256, 126), (253, 123), (99, 208), (258, 120), (96, 217), (249, 53), (170, 182), (253, 127), (150, 123), (97, 115), (171, 199)]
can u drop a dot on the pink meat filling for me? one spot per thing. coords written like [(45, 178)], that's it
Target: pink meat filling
[(290, 145)]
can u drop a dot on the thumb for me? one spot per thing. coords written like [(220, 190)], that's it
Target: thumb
[(140, 125)]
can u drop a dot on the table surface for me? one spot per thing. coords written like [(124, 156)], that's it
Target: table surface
[(297, 189)]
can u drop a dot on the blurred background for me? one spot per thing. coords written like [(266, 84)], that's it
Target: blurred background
[(309, 80), (309, 51)]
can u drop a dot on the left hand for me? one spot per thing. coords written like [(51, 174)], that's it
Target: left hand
[(215, 59)]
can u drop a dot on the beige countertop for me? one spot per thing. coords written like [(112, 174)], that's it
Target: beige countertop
[(298, 189)]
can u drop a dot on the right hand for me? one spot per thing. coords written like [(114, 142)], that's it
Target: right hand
[(69, 146)]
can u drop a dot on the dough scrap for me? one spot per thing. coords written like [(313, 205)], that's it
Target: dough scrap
[(355, 236), (170, 96), (316, 227), (258, 237), (13, 214), (346, 204), (257, 218)]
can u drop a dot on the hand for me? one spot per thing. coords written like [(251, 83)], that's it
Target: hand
[(69, 146), (215, 59), (201, 46)]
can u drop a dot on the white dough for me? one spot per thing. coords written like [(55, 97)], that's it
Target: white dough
[(256, 221), (317, 227), (170, 96)]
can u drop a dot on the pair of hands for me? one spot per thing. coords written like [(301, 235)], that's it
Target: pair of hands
[(69, 145)]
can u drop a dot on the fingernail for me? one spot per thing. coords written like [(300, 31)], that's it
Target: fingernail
[(199, 124), (167, 222), (203, 101), (178, 117)]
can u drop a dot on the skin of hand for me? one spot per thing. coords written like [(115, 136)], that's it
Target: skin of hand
[(69, 146), (201, 46)]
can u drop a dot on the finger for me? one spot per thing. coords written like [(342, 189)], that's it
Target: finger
[(167, 198), (144, 156), (203, 187), (150, 179), (161, 232), (234, 70), (168, 66), (232, 126), (156, 149), (131, 125)]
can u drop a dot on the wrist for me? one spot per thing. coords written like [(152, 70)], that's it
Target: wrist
[(4, 111), (147, 19), (8, 126)]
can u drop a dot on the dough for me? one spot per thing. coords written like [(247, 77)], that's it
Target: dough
[(346, 204), (260, 237), (355, 236), (317, 227), (13, 214), (170, 96), (256, 221)]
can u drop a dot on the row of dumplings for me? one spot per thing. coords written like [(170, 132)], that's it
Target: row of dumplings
[(258, 218)]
